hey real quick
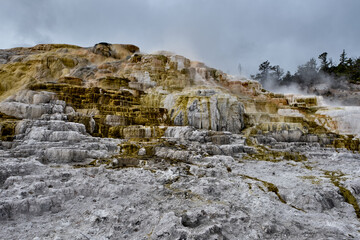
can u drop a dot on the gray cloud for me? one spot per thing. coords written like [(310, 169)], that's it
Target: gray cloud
[(220, 33)]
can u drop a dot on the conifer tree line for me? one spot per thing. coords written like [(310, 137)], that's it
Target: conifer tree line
[(310, 74)]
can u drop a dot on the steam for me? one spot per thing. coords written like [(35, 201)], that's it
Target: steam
[(309, 79), (291, 89)]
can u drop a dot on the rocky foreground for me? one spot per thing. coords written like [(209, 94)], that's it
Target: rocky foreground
[(111, 143)]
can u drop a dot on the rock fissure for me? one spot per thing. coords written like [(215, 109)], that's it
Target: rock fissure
[(335, 178)]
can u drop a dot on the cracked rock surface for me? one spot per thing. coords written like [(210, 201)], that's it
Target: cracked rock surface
[(184, 196)]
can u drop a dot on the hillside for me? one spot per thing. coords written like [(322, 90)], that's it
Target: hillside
[(108, 142)]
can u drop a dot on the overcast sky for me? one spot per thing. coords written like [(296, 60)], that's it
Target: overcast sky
[(221, 33)]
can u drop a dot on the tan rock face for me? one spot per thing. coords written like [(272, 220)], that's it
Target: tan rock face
[(211, 109), (112, 84), (118, 51)]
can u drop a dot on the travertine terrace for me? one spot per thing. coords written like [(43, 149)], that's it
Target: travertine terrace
[(108, 142)]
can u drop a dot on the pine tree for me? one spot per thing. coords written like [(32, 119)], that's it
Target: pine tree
[(343, 58), (324, 65)]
